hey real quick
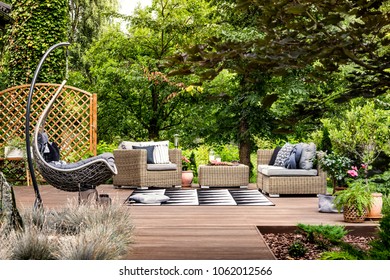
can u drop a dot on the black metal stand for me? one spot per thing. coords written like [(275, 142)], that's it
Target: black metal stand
[(38, 199)]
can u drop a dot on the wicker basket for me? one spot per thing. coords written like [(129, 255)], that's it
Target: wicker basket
[(351, 214)]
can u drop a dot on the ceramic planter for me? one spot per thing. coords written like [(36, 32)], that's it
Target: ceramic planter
[(376, 207), (186, 178)]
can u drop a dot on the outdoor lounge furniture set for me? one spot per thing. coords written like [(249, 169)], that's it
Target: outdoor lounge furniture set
[(147, 164), (290, 169)]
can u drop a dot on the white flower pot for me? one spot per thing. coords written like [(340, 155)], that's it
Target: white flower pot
[(13, 153)]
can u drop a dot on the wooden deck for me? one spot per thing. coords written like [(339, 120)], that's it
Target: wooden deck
[(199, 232)]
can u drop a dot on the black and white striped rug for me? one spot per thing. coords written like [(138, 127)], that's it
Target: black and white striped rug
[(198, 197)]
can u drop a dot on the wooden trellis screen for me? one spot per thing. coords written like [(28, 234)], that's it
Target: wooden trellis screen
[(72, 122)]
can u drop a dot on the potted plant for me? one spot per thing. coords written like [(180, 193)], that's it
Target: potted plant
[(355, 201), (336, 167), (186, 174), (15, 148)]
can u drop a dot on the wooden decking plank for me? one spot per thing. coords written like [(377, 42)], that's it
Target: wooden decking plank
[(199, 232)]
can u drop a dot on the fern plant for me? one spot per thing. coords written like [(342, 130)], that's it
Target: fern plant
[(358, 195)]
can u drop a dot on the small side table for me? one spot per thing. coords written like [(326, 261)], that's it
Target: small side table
[(223, 176), (16, 170)]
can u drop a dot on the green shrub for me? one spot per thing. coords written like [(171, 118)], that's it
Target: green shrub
[(381, 182), (297, 249), (381, 247), (323, 235), (337, 255)]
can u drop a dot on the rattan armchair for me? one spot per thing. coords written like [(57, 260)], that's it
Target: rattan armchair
[(133, 170), (295, 185)]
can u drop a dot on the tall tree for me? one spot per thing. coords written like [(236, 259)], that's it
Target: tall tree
[(88, 18), (152, 104), (332, 33)]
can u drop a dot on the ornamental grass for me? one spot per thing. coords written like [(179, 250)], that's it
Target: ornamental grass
[(77, 232)]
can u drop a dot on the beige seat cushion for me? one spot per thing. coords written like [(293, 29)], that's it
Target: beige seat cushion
[(271, 170), (161, 167)]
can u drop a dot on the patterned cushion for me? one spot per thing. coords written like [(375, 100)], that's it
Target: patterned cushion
[(283, 154)]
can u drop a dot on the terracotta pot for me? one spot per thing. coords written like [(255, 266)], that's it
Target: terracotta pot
[(186, 178), (376, 207)]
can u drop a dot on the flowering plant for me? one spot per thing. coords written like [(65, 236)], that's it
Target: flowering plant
[(336, 166), (357, 173)]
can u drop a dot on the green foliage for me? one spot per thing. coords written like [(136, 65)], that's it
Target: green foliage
[(329, 33), (337, 255), (358, 195), (325, 144), (361, 132), (88, 19), (323, 235), (38, 25), (297, 250), (104, 147), (227, 152), (336, 167), (381, 183), (381, 246)]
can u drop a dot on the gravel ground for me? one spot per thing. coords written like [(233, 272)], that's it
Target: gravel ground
[(279, 244)]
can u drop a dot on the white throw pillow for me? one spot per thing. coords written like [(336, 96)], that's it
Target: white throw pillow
[(149, 198), (160, 153)]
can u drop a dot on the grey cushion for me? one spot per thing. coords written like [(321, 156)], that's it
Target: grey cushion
[(149, 151), (283, 154), (293, 160), (308, 155), (149, 198), (271, 170), (109, 157), (326, 204), (161, 167)]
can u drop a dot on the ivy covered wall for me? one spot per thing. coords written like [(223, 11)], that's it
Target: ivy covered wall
[(38, 25)]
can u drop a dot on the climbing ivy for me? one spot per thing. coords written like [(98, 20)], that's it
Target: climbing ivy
[(38, 25)]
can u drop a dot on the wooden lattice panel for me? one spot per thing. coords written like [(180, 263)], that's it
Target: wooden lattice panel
[(72, 122)]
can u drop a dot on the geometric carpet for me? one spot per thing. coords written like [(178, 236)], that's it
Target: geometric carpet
[(212, 197)]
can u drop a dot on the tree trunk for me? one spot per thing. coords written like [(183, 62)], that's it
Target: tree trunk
[(245, 144)]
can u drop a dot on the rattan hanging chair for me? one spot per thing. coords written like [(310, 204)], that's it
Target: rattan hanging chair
[(78, 176)]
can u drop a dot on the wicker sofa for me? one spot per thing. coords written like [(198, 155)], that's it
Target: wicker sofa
[(288, 181), (134, 171)]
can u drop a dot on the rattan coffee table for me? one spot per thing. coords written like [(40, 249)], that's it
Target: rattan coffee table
[(223, 176)]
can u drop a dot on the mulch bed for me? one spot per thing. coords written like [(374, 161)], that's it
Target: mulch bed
[(279, 243)]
